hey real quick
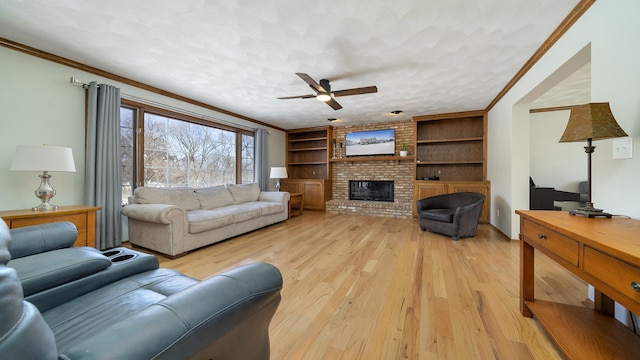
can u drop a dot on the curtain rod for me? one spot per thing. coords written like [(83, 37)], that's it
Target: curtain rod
[(74, 80)]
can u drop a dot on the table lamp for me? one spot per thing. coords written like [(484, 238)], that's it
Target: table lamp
[(278, 173), (43, 158), (590, 122)]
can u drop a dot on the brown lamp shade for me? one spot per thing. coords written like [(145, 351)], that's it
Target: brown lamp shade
[(591, 121)]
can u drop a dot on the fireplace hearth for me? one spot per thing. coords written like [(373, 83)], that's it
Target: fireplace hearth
[(371, 190)]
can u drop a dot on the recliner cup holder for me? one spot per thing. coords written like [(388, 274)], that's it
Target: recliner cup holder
[(123, 257), (110, 253)]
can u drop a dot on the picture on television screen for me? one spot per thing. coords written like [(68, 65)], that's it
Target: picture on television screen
[(373, 142)]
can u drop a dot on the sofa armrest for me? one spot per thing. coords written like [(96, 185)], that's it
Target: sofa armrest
[(35, 239), (281, 197), (226, 316), (155, 213)]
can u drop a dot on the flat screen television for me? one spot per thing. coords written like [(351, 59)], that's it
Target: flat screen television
[(372, 142)]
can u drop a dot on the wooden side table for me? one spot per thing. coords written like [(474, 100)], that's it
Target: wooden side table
[(603, 253), (296, 199), (82, 216)]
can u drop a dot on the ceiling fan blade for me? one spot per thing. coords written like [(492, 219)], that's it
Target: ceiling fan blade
[(309, 96), (334, 104), (356, 91), (309, 80)]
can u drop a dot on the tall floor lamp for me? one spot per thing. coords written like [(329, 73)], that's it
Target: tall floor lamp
[(43, 158), (590, 122), (278, 173)]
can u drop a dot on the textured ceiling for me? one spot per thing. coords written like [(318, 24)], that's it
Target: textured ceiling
[(574, 90), (425, 57)]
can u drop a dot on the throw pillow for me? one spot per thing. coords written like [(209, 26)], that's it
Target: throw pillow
[(214, 197), (243, 193)]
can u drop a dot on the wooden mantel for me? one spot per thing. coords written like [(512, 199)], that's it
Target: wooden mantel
[(374, 158)]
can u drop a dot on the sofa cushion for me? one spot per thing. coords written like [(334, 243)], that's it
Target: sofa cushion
[(267, 208), (443, 215), (244, 212), (46, 270), (243, 193), (182, 197), (89, 315), (204, 220), (214, 197)]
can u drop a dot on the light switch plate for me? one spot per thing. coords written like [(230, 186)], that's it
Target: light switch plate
[(623, 148)]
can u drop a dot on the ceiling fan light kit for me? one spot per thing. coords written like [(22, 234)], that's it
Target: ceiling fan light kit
[(324, 93)]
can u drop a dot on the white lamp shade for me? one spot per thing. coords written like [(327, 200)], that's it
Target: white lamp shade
[(43, 158), (278, 173)]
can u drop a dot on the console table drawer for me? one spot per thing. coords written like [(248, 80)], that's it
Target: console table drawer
[(79, 220), (560, 245), (612, 271)]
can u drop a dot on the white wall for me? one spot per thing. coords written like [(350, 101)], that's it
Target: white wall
[(613, 49), (38, 105), (554, 164)]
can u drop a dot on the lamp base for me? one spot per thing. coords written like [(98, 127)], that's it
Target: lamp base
[(45, 192), (45, 207), (590, 212)]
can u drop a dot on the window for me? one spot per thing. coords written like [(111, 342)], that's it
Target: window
[(176, 150), (127, 130), (178, 153), (247, 159)]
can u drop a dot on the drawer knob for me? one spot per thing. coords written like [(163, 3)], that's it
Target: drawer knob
[(635, 286), (542, 236)]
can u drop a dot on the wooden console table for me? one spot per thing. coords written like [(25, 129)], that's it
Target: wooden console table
[(82, 216), (603, 252)]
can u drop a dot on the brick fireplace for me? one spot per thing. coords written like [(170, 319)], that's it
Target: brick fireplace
[(401, 172)]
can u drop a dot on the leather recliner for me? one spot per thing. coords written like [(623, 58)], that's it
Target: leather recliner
[(131, 310)]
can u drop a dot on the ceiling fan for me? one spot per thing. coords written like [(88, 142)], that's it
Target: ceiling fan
[(324, 93)]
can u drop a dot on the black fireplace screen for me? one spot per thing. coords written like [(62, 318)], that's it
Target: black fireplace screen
[(372, 190)]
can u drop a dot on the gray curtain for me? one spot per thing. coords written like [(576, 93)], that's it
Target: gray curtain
[(103, 163), (261, 174)]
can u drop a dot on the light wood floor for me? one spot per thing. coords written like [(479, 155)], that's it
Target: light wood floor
[(361, 287)]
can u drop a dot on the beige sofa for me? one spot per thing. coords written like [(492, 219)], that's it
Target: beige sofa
[(173, 221)]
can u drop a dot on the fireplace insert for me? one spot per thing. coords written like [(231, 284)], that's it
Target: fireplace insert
[(371, 190)]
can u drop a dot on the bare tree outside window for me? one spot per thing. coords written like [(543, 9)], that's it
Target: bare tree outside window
[(178, 153)]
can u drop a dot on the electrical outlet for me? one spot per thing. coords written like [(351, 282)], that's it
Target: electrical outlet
[(623, 148), (498, 212)]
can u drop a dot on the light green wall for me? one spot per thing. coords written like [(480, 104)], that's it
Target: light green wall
[(38, 105), (608, 33)]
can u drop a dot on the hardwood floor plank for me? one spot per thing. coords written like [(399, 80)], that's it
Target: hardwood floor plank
[(362, 287)]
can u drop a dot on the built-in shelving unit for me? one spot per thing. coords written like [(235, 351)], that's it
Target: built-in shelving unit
[(453, 148), (308, 165), (308, 153)]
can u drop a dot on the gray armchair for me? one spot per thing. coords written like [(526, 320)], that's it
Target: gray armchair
[(455, 215)]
